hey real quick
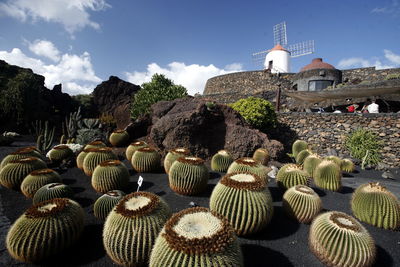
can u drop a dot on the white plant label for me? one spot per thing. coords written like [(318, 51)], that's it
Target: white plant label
[(139, 182)]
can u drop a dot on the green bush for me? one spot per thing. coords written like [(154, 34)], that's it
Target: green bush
[(158, 89), (365, 146), (392, 76), (259, 112)]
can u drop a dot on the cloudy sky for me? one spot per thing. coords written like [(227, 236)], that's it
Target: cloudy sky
[(80, 43)]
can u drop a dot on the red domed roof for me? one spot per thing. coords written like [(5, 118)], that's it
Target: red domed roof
[(317, 63), (278, 47)]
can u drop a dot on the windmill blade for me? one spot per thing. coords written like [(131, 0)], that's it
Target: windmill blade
[(258, 58), (280, 34), (301, 49)]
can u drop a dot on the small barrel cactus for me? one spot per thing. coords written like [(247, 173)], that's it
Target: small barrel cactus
[(249, 165), (261, 155), (238, 197), (131, 228), (119, 138), (337, 239), (298, 146), (291, 175), (38, 178), (173, 155), (95, 144), (13, 173), (196, 237), (45, 229), (347, 165), (146, 159), (81, 157), (110, 175), (335, 159), (106, 203), (310, 163), (133, 147), (301, 203), (60, 153), (302, 155), (53, 190), (221, 161), (188, 176), (21, 153), (374, 204), (95, 156), (328, 176)]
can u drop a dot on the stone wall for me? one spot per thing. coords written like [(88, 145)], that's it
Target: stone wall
[(328, 130), (368, 74)]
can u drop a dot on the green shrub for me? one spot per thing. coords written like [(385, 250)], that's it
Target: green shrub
[(259, 112), (158, 89), (392, 76), (365, 146)]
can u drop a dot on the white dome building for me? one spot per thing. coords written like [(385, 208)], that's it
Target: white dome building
[(278, 60)]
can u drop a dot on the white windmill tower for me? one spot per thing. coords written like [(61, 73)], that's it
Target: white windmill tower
[(277, 59)]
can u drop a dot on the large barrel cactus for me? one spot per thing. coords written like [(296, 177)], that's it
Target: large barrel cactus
[(146, 159), (298, 146), (131, 228), (302, 155), (347, 165), (59, 153), (119, 138), (328, 176), (310, 163), (301, 203), (38, 178), (133, 147), (221, 161), (95, 156), (338, 239), (335, 159), (13, 173), (196, 237), (249, 165), (261, 155), (45, 230), (173, 155), (21, 153), (244, 199), (188, 176), (95, 144), (374, 204), (110, 175), (292, 175), (104, 204), (53, 190)]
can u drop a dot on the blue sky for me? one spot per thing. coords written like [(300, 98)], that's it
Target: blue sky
[(80, 43)]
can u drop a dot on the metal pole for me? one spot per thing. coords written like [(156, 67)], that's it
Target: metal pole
[(278, 98)]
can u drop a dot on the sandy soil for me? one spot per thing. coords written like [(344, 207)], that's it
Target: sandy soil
[(282, 243)]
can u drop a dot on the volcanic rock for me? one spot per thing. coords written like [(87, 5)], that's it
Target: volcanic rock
[(113, 97), (188, 122)]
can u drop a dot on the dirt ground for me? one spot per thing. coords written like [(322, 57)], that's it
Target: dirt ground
[(282, 243)]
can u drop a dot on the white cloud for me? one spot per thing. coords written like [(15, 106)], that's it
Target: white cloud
[(193, 77), (390, 60), (72, 14), (391, 9), (75, 72), (46, 49)]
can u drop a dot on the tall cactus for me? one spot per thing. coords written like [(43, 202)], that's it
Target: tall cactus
[(44, 134)]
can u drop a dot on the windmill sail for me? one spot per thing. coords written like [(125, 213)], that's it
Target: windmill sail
[(280, 34), (301, 49)]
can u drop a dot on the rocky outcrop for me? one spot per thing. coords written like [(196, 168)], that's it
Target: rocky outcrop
[(188, 122), (114, 97)]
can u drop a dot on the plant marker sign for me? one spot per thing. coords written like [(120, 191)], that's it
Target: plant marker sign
[(139, 182)]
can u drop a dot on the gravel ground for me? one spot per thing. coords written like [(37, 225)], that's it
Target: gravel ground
[(282, 243)]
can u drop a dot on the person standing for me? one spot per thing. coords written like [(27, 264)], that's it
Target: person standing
[(373, 107)]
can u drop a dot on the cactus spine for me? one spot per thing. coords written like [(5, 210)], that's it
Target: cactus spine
[(291, 175), (221, 161), (301, 203), (146, 159), (188, 176), (328, 176), (310, 164), (244, 199), (173, 155), (347, 165), (261, 155), (12, 175), (375, 205), (338, 239), (249, 165), (298, 146), (106, 203), (110, 175), (38, 178), (45, 229), (131, 228), (53, 190), (196, 237), (95, 156)]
